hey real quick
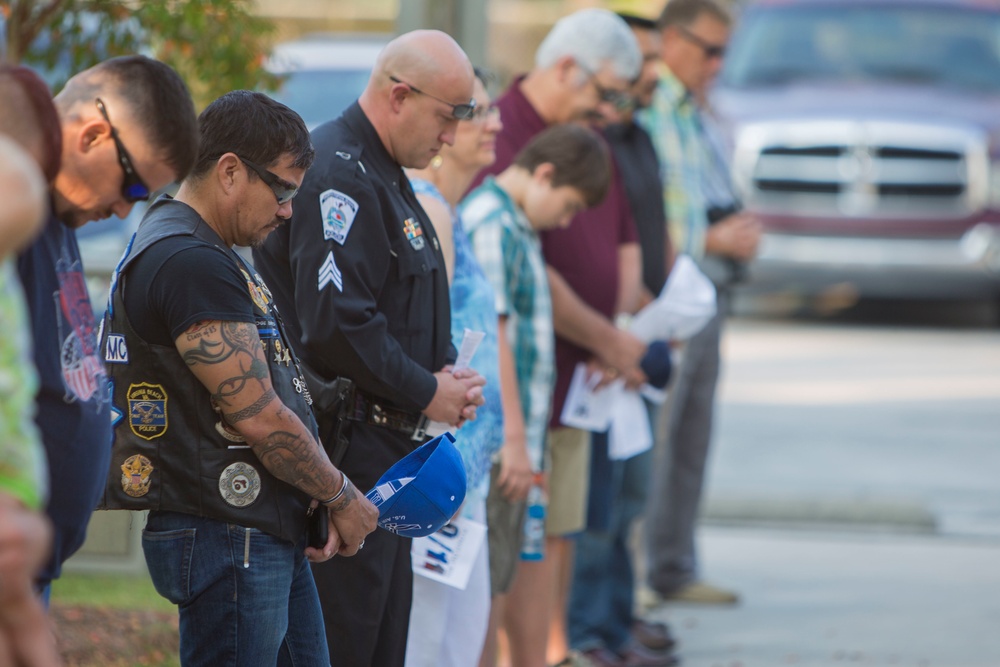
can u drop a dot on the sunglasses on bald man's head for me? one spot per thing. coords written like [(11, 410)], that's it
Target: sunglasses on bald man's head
[(458, 111), (133, 189)]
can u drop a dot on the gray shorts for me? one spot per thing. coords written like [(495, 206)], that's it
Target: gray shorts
[(505, 521)]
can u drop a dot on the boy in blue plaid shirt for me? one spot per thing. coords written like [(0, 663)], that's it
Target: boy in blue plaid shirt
[(562, 171)]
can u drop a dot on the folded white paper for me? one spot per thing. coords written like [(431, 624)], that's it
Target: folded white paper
[(685, 305), (449, 554)]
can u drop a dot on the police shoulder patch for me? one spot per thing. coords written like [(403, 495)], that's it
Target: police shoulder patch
[(338, 211)]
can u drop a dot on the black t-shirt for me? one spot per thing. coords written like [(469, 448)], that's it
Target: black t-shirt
[(177, 282)]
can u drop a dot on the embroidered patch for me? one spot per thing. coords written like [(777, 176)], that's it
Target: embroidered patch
[(239, 484), (147, 410), (338, 211), (135, 475), (414, 232), (115, 349), (256, 293), (329, 273), (116, 413)]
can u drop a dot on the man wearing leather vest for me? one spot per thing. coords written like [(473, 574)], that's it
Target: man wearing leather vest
[(212, 427)]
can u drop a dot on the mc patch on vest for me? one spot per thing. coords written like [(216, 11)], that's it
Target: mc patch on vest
[(147, 410), (135, 475)]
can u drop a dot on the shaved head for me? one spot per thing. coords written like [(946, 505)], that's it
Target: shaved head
[(424, 57), (417, 81)]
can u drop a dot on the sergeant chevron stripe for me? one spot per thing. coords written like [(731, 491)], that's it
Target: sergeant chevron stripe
[(329, 273)]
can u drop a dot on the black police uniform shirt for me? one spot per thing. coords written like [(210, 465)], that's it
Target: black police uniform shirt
[(171, 451), (358, 272), (73, 399)]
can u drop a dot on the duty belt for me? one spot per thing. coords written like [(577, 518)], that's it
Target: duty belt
[(369, 409)]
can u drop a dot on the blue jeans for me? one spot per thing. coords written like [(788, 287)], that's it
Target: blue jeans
[(600, 606), (246, 598)]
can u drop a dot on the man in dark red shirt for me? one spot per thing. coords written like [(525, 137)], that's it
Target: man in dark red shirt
[(583, 69)]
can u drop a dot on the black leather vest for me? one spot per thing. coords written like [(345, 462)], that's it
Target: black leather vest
[(171, 451)]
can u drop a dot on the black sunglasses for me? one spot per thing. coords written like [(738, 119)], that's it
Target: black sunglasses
[(458, 111), (133, 189), (619, 99), (283, 191), (710, 50)]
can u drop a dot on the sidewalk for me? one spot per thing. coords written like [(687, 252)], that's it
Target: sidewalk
[(813, 599)]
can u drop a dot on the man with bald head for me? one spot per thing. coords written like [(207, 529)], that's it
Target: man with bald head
[(128, 128), (361, 280)]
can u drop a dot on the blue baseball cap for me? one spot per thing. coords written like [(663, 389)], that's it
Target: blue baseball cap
[(422, 491)]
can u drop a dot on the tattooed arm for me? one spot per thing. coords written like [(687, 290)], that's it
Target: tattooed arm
[(227, 357)]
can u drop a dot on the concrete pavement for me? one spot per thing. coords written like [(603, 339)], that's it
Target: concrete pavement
[(837, 599)]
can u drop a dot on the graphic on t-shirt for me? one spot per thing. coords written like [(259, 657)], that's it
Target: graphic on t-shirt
[(80, 360)]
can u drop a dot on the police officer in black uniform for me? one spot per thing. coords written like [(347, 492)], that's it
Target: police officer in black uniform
[(360, 277), (213, 429)]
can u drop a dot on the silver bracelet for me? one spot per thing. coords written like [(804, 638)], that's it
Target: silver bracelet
[(343, 487)]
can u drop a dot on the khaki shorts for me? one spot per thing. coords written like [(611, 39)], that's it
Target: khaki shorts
[(505, 521), (569, 481)]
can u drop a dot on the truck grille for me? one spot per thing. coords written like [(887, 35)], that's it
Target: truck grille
[(861, 169)]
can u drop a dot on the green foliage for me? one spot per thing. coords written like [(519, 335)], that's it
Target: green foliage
[(111, 591), (216, 45)]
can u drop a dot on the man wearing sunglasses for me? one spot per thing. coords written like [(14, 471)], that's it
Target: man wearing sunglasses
[(128, 127), (360, 279), (706, 224), (217, 439), (582, 72)]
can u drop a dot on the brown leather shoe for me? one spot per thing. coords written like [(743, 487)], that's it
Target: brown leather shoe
[(638, 655), (655, 636), (699, 592)]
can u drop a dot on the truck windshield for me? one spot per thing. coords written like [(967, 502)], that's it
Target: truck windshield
[(920, 43)]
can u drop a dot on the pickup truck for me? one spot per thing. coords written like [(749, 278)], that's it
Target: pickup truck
[(866, 136)]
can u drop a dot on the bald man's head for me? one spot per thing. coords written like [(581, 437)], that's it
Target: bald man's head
[(421, 85)]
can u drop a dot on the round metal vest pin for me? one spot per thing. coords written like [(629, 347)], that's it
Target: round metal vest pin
[(239, 484)]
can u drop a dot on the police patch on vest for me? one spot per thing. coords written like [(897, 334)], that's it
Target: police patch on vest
[(414, 232), (256, 293), (135, 475), (239, 484), (147, 410), (115, 349), (338, 211)]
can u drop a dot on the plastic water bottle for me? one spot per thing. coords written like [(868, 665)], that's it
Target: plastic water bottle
[(533, 540)]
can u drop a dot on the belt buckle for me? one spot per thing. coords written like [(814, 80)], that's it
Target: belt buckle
[(420, 430)]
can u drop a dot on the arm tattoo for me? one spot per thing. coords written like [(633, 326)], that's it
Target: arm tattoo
[(296, 460), (350, 494), (252, 410), (217, 345)]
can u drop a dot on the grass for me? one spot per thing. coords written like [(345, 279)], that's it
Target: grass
[(103, 620), (108, 591)]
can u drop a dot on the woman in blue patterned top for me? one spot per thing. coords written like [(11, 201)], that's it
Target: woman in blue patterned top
[(448, 625)]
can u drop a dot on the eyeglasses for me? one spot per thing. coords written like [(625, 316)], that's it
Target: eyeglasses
[(710, 50), (133, 189), (619, 99), (483, 114), (283, 191), (458, 111)]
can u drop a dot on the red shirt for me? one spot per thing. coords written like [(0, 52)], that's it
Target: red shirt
[(586, 253)]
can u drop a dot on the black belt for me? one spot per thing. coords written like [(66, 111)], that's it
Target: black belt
[(369, 409)]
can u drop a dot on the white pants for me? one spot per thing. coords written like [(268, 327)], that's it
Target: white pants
[(448, 626)]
